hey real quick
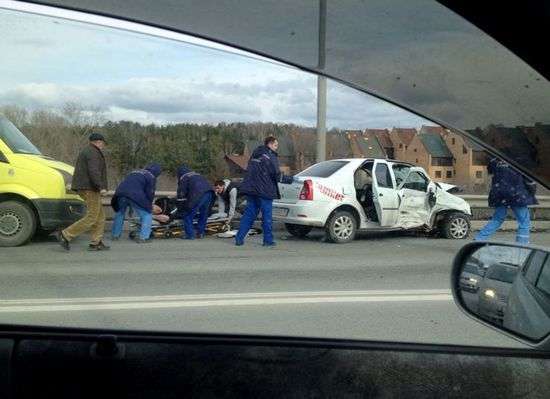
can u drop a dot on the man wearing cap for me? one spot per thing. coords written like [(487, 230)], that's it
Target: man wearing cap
[(90, 181)]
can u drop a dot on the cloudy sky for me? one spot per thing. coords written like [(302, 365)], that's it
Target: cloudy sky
[(48, 62)]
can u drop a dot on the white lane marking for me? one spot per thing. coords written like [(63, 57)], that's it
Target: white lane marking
[(211, 300)]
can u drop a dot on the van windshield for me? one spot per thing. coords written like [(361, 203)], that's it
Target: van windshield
[(15, 140)]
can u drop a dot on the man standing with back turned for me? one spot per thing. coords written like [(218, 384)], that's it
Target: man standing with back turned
[(90, 181), (260, 186)]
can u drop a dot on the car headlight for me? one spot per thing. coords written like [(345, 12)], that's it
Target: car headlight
[(490, 293), (67, 180)]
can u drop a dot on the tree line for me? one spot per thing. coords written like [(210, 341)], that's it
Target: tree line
[(61, 133)]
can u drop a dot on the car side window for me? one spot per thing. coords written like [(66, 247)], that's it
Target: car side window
[(383, 177), (543, 283), (400, 172), (416, 181), (532, 270)]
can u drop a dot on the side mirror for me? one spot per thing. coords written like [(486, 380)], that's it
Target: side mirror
[(507, 287)]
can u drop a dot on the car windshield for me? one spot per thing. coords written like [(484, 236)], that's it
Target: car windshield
[(15, 140), (323, 169), (222, 191), (502, 273)]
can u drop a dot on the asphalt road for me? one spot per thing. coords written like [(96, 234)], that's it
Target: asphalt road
[(382, 287)]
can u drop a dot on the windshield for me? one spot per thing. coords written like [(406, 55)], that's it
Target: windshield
[(15, 140), (231, 243), (502, 273)]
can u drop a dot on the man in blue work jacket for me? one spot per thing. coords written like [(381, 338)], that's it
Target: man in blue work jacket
[(195, 196), (136, 191), (260, 186)]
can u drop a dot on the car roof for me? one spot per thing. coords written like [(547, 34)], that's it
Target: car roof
[(362, 160)]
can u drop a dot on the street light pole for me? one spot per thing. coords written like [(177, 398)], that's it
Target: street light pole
[(322, 86)]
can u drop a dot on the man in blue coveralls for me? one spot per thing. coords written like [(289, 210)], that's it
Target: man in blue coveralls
[(195, 196), (260, 186)]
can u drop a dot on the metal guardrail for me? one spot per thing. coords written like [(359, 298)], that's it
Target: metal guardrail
[(475, 201)]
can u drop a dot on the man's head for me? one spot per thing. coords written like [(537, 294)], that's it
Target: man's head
[(97, 140), (272, 143), (219, 186)]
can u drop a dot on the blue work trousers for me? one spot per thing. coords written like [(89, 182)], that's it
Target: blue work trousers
[(254, 205), (522, 216)]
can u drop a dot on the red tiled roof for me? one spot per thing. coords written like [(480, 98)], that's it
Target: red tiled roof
[(383, 136), (433, 130), (240, 160), (406, 135)]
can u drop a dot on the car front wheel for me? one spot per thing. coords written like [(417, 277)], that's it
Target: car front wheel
[(341, 227), (456, 226), (17, 223), (298, 230)]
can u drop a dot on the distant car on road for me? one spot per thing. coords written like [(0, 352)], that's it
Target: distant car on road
[(495, 290), (345, 196)]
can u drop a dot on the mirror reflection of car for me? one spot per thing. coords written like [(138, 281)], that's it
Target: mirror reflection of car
[(494, 290), (514, 294), (529, 303), (472, 275), (35, 190), (400, 196)]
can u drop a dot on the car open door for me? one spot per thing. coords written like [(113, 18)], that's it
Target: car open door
[(416, 194), (385, 198)]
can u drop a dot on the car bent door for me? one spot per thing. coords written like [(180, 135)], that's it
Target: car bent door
[(385, 198), (417, 194)]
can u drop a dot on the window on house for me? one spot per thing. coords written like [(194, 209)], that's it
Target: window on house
[(464, 150), (400, 146), (438, 174), (479, 174), (453, 141), (449, 174), (416, 160), (415, 150)]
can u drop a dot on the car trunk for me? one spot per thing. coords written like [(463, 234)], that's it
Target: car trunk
[(290, 193)]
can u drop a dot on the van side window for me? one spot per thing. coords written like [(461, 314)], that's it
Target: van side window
[(383, 177), (3, 158)]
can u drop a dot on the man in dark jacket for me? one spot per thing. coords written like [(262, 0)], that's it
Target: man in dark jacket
[(509, 189), (90, 181), (260, 186), (195, 195), (137, 191)]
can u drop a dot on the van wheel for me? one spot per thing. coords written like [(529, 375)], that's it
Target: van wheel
[(456, 226), (17, 223), (298, 230), (341, 227)]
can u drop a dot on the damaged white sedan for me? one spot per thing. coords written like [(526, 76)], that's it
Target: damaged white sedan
[(345, 196)]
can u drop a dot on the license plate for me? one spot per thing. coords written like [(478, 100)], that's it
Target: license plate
[(281, 212)]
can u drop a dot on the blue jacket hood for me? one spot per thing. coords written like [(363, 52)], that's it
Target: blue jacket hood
[(183, 170), (154, 168)]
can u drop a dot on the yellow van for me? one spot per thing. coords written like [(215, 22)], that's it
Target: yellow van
[(35, 194)]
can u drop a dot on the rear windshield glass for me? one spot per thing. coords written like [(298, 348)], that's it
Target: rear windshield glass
[(505, 274), (323, 169)]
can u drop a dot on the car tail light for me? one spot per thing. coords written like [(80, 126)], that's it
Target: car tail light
[(307, 191)]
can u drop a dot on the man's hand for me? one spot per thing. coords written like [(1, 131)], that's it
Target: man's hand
[(103, 193)]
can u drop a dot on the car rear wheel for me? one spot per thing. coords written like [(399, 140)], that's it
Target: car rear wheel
[(298, 230), (456, 226), (341, 227), (17, 223)]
